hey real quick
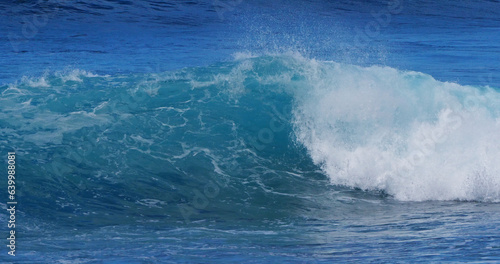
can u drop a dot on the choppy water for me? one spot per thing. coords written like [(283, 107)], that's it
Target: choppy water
[(297, 131)]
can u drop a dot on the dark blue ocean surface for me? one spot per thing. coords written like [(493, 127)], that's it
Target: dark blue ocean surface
[(251, 131)]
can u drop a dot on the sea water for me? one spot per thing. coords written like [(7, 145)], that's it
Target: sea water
[(252, 131)]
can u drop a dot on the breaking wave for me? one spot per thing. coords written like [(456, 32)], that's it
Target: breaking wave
[(254, 132)]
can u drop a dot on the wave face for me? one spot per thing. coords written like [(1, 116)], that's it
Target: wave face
[(241, 135)]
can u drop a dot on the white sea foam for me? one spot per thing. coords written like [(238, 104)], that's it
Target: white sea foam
[(36, 82), (402, 132), (75, 75)]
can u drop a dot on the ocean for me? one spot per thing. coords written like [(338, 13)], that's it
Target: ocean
[(250, 131)]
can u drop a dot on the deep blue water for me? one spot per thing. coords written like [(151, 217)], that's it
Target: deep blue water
[(252, 131)]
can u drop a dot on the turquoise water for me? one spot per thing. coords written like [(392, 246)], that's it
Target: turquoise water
[(261, 132)]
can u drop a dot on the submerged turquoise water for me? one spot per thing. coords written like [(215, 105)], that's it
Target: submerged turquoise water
[(304, 131)]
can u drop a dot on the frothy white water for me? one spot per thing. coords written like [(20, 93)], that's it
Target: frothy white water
[(405, 133)]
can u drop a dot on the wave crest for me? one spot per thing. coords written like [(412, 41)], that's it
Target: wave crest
[(405, 133)]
